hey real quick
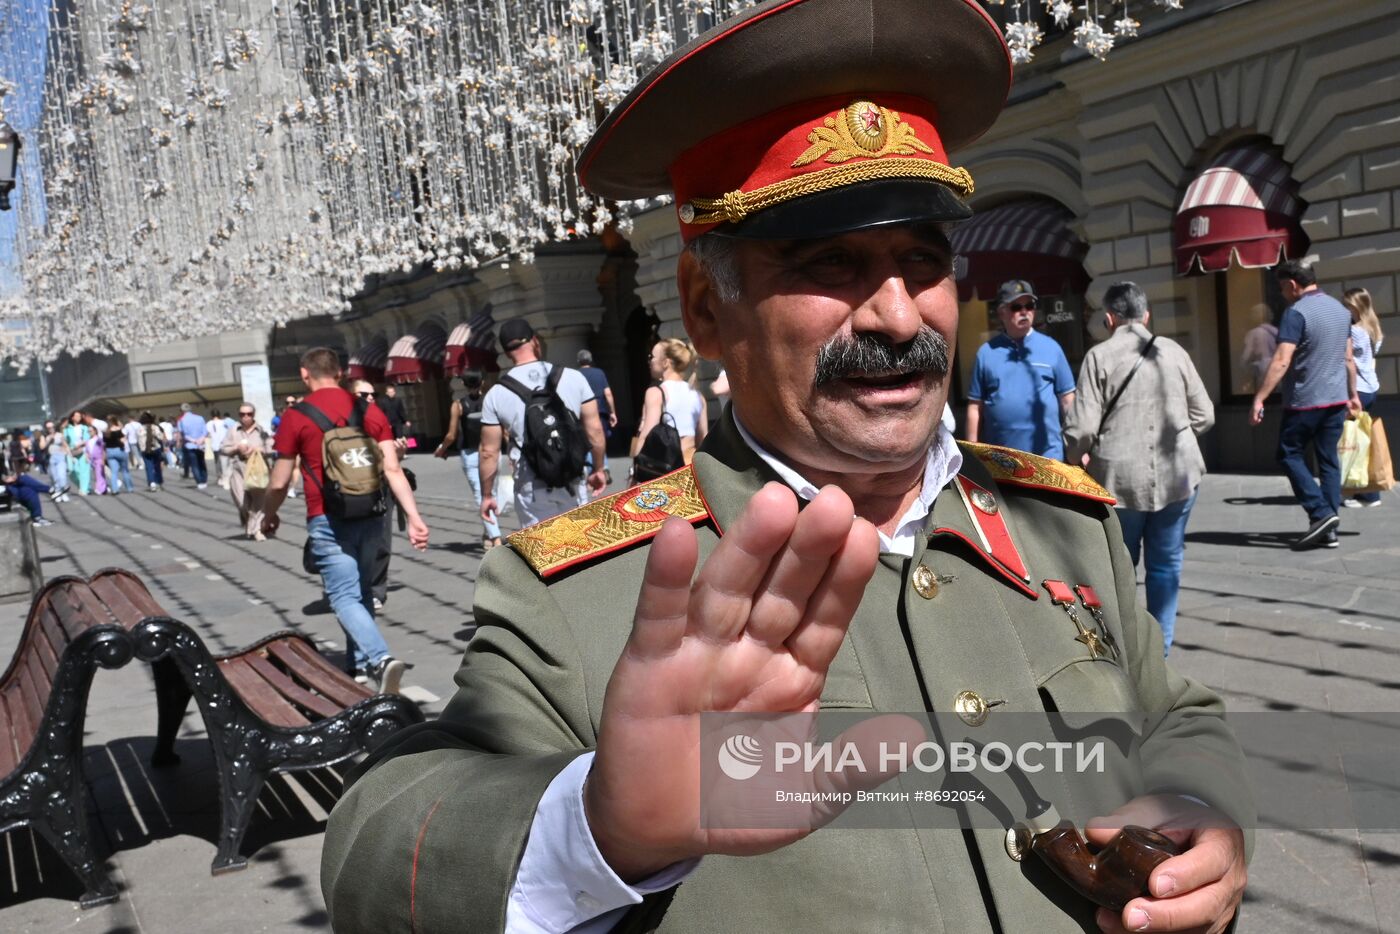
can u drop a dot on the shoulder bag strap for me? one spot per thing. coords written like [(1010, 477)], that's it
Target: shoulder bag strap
[(316, 415), (551, 383), (517, 387), (1112, 403)]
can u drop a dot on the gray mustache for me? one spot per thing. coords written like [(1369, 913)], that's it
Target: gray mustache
[(845, 356)]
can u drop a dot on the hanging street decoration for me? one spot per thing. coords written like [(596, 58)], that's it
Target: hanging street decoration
[(211, 167)]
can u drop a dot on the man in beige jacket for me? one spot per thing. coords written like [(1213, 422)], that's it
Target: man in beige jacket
[(1138, 410)]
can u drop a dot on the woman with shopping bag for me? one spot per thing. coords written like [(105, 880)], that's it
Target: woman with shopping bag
[(246, 446), (1366, 338)]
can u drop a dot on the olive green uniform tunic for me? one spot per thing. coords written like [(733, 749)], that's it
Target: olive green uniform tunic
[(429, 837)]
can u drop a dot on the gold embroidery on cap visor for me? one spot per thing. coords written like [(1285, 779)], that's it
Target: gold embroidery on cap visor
[(876, 135)]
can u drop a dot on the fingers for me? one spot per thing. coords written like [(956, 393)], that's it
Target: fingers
[(1207, 909), (723, 596), (1215, 852), (816, 640), (800, 566), (1199, 890), (663, 605)]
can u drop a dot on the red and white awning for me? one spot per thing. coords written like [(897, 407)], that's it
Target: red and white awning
[(1243, 208), (369, 361), (1027, 239), (418, 356), (471, 346)]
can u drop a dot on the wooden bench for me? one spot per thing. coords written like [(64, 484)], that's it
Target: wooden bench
[(43, 702), (276, 706)]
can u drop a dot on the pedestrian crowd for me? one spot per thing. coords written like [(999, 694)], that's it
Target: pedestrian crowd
[(1133, 417)]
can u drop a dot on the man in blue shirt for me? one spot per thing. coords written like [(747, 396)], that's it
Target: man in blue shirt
[(1313, 361), (1021, 381), (193, 431)]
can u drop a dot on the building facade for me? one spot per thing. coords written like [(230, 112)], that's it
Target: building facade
[(1227, 136)]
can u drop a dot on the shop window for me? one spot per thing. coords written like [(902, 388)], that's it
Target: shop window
[(1249, 306), (185, 377)]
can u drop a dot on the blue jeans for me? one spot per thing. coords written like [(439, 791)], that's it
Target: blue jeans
[(470, 465), (155, 467), (120, 466), (1367, 398), (1164, 534), (1321, 428), (58, 470), (25, 491), (194, 457), (347, 555)]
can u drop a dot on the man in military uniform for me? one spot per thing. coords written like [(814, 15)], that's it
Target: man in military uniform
[(850, 555)]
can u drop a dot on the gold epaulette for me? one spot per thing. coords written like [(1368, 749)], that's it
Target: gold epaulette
[(1007, 465), (611, 523)]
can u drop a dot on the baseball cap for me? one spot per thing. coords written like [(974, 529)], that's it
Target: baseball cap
[(1016, 288), (515, 332)]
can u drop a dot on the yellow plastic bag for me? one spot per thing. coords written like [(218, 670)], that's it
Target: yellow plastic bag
[(255, 475), (1354, 450)]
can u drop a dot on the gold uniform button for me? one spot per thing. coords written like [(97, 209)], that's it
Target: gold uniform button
[(971, 708), (925, 582)]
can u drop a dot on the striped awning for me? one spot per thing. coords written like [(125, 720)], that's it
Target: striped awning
[(1242, 208), (1025, 239), (369, 361), (418, 356), (472, 345)]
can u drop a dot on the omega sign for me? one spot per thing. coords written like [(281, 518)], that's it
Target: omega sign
[(1200, 226)]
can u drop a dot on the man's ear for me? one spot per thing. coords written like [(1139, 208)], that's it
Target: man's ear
[(698, 305)]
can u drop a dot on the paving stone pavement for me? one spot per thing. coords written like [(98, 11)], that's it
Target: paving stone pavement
[(1269, 628)]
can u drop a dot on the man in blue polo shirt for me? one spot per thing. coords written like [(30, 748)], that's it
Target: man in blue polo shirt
[(1021, 381), (1313, 361)]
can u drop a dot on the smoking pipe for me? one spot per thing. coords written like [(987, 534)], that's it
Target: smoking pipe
[(1113, 876)]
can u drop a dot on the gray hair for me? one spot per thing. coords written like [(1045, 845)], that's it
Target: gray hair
[(185, 407), (718, 259), (585, 358), (1125, 301)]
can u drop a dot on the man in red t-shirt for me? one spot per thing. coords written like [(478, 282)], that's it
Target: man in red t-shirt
[(346, 551)]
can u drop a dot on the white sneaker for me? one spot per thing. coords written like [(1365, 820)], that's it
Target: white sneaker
[(65, 498), (1351, 502), (201, 486), (388, 673)]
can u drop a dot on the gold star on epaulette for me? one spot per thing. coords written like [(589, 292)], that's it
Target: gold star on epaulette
[(565, 534)]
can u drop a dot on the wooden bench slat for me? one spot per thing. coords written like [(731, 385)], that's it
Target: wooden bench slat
[(118, 602), (47, 652), (313, 670), (29, 704), (290, 689), (137, 592), (9, 751), (260, 697)]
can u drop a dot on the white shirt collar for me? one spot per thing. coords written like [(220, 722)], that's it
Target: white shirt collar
[(943, 463)]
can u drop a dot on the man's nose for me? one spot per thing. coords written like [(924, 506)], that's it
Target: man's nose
[(890, 310)]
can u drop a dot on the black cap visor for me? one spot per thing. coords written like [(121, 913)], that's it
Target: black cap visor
[(875, 203)]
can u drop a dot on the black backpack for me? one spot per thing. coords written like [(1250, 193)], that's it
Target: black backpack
[(661, 451), (353, 486), (554, 445)]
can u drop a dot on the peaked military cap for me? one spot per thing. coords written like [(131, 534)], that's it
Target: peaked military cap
[(809, 118)]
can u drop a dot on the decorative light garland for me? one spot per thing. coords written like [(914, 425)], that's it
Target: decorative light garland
[(216, 166)]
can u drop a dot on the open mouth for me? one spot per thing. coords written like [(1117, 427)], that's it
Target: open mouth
[(893, 380)]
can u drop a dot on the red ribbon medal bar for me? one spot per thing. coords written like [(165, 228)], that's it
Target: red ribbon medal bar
[(1062, 596), (1094, 605)]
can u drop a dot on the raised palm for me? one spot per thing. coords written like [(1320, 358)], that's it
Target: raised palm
[(755, 632)]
